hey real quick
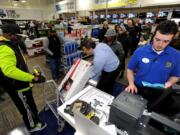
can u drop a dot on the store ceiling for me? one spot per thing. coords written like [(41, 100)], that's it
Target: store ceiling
[(27, 4)]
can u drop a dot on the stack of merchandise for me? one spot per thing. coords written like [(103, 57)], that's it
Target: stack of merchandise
[(70, 54)]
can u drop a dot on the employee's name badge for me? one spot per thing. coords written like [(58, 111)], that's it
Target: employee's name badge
[(145, 60), (168, 64)]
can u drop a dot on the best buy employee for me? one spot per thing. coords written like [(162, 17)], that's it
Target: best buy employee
[(157, 62)]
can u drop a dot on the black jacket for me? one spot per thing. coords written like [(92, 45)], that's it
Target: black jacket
[(54, 46)]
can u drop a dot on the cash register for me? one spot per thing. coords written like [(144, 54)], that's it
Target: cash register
[(128, 113)]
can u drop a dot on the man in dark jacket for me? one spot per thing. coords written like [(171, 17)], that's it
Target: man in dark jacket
[(16, 79), (53, 50)]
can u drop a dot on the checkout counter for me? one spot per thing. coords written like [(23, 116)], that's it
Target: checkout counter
[(124, 115)]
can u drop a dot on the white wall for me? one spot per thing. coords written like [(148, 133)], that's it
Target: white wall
[(49, 11), (25, 14), (30, 4), (84, 5), (157, 2), (30, 14), (38, 10)]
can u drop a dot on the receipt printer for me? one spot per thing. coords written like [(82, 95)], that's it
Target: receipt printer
[(126, 109)]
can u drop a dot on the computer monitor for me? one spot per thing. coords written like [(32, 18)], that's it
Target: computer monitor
[(108, 16), (121, 21), (149, 20), (95, 16), (123, 15), (115, 21), (102, 16), (163, 14), (176, 14), (115, 16), (131, 15), (150, 14)]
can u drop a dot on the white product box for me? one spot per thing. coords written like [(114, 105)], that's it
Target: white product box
[(35, 51), (37, 42), (75, 79)]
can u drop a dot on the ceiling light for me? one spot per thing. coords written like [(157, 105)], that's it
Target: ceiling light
[(15, 4), (23, 1)]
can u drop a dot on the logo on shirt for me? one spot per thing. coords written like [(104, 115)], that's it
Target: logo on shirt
[(168, 64), (145, 60)]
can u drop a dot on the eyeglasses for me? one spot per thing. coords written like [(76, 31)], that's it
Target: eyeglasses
[(160, 40)]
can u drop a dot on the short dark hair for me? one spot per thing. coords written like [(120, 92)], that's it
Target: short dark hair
[(88, 43), (130, 19), (167, 27), (10, 28)]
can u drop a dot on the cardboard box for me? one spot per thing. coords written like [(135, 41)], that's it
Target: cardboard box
[(75, 79)]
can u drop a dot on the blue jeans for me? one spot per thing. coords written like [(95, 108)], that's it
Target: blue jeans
[(54, 66)]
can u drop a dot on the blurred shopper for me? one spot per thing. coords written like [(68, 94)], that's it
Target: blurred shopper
[(53, 49), (103, 31), (115, 45), (133, 34), (16, 79), (123, 37), (143, 40)]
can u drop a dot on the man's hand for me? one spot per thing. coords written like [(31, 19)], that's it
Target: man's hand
[(38, 79), (168, 85), (131, 88), (171, 81)]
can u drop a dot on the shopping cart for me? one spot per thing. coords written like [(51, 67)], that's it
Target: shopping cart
[(52, 104)]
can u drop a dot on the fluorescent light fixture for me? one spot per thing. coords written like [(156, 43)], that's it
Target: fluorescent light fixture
[(23, 1), (15, 4)]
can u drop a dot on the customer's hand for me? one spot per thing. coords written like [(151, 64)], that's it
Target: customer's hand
[(131, 88), (38, 79)]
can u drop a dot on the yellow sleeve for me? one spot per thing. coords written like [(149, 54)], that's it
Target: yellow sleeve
[(8, 65)]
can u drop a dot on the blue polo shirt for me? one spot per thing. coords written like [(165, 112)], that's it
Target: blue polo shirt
[(152, 67)]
